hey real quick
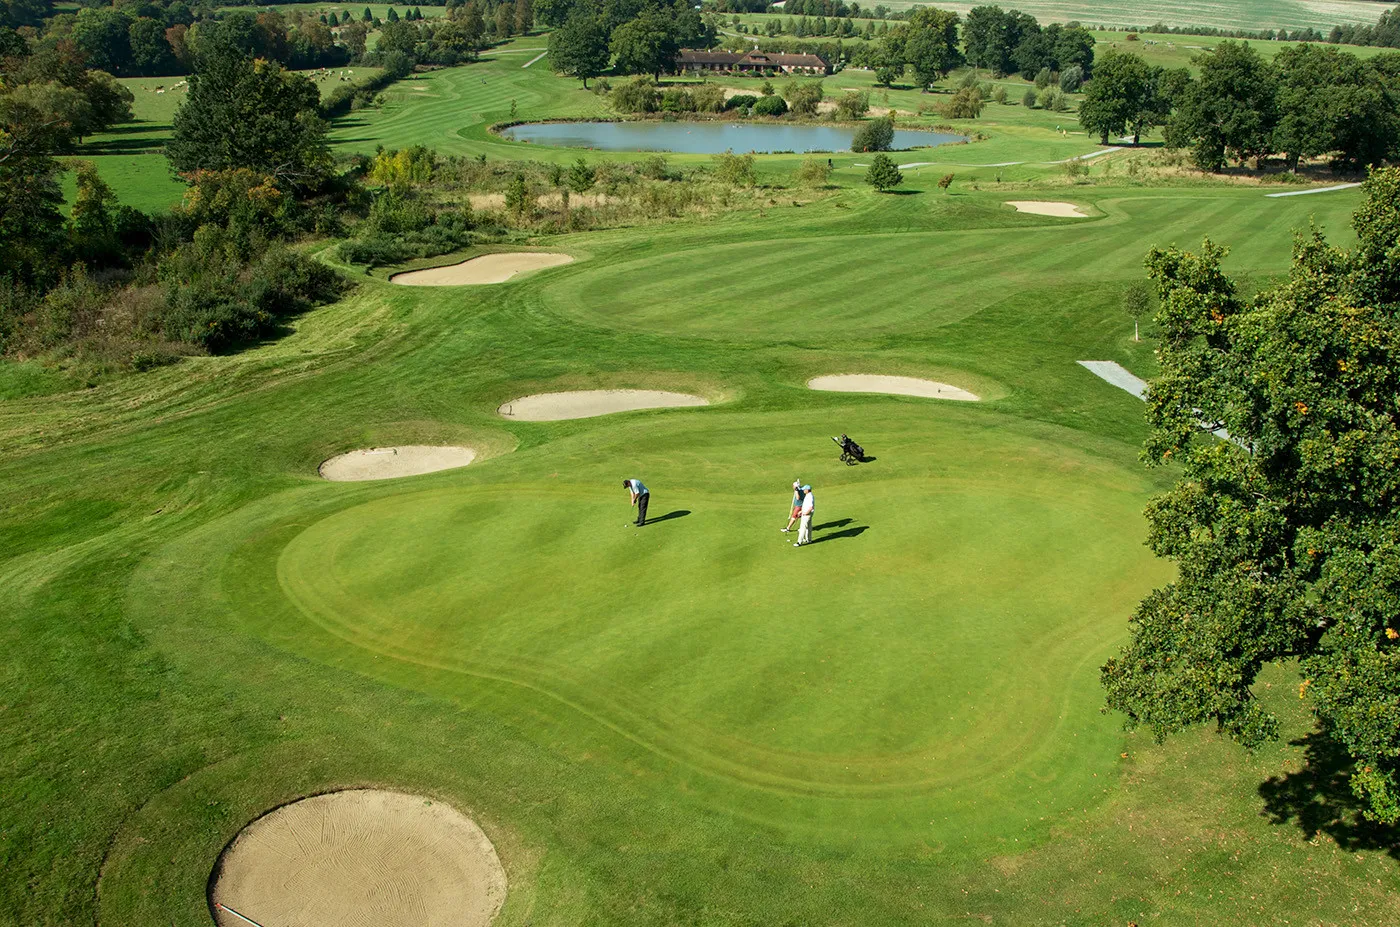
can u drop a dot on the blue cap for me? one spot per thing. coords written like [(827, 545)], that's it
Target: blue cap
[(806, 488)]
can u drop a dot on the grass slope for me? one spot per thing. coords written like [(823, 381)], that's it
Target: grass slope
[(1240, 14), (690, 723)]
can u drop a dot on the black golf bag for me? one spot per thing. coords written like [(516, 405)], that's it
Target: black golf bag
[(851, 452)]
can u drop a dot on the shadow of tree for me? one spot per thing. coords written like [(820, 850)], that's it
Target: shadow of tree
[(1319, 800)]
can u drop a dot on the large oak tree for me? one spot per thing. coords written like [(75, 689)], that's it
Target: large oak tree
[(1287, 536)]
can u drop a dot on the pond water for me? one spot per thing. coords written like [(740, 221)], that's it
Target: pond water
[(708, 137)]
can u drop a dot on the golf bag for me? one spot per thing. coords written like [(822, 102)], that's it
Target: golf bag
[(851, 452)]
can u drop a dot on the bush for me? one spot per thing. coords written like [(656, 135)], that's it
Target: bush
[(965, 104), (736, 170), (1072, 79), (853, 105), (875, 135), (1043, 78), (655, 168), (1030, 97), (709, 98), (814, 172), (999, 94), (770, 106), (803, 96), (740, 101), (883, 174), (636, 96), (400, 228), (677, 100), (1054, 99)]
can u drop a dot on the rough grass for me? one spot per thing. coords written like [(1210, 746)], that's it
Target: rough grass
[(691, 723)]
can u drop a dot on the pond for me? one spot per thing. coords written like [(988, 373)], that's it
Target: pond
[(708, 137)]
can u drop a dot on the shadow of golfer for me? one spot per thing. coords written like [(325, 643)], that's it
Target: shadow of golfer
[(833, 524), (678, 513), (848, 533)]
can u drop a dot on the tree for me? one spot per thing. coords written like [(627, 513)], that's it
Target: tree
[(853, 105), (242, 113), (1121, 96), (581, 177), (1230, 109), (735, 170), (885, 76), (518, 199), (151, 52), (814, 172), (31, 227), (1330, 101), (882, 173), (104, 38), (803, 97), (965, 104), (579, 48), (1137, 300), (1287, 536), (930, 45), (645, 45), (524, 16), (875, 135)]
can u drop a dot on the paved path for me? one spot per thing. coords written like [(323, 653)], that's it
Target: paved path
[(534, 59), (1118, 375), (1340, 186), (1121, 377)]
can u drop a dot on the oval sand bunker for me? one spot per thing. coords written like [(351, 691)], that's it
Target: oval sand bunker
[(489, 268), (386, 463), (554, 407), (1041, 208), (361, 857), (899, 386)]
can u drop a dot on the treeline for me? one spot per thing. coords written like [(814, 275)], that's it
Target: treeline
[(160, 38), (1311, 101), (592, 37)]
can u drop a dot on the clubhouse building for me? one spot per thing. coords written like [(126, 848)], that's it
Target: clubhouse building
[(693, 61)]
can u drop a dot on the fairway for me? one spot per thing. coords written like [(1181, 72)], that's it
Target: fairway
[(692, 720)]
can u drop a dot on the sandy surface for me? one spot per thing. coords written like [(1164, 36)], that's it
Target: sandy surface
[(899, 386), (489, 201), (1060, 210), (553, 407), (489, 268), (385, 463), (362, 858)]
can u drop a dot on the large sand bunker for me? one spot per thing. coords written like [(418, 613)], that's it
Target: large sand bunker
[(899, 386), (1041, 208), (360, 858), (554, 407), (385, 463), (489, 268)]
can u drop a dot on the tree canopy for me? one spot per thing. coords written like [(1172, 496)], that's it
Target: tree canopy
[(1287, 536), (579, 48), (883, 174), (1229, 110), (242, 113)]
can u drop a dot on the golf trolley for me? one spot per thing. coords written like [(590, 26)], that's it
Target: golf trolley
[(851, 452)]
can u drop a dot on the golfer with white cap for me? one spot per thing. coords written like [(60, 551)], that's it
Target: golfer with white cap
[(809, 505), (796, 505)]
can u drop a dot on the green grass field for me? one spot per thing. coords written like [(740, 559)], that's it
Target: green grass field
[(1242, 14), (691, 723)]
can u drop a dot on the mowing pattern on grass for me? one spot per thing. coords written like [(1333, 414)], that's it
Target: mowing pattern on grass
[(691, 721)]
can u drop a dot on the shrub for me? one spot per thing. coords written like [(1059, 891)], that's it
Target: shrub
[(853, 105), (581, 176), (740, 101), (736, 170), (875, 135), (677, 100), (655, 168), (770, 106), (709, 98), (803, 96), (886, 76), (1054, 99), (1043, 78), (883, 174), (1072, 79), (965, 104), (945, 181), (1030, 97), (814, 172), (999, 94), (636, 96), (968, 81)]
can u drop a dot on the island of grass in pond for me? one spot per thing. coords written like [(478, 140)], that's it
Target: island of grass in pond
[(708, 137)]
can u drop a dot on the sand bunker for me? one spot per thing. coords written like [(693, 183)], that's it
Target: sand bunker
[(361, 857), (385, 463), (1059, 210), (489, 268), (553, 407), (899, 386)]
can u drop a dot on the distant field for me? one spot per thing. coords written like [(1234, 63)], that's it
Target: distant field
[(1236, 14), (379, 10)]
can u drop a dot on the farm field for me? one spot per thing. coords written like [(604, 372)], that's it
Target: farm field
[(692, 720), (1244, 14)]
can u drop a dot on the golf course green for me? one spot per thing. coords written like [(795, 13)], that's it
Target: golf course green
[(691, 722)]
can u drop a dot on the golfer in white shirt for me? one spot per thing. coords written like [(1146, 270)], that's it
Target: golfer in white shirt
[(809, 505)]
